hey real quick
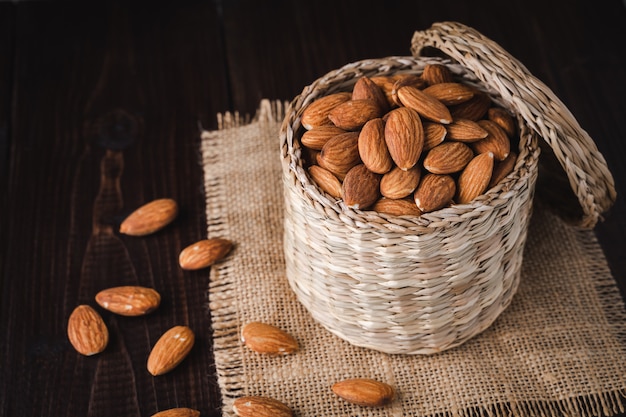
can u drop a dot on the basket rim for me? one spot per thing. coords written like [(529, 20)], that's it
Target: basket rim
[(294, 172)]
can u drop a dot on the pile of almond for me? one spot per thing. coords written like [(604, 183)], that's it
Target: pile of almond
[(407, 144)]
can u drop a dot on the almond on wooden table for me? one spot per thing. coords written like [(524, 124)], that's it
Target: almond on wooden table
[(364, 392), (86, 331), (178, 412), (259, 406), (170, 350), (267, 339), (129, 300), (150, 218), (204, 253)]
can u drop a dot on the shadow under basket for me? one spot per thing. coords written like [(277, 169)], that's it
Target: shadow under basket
[(424, 284)]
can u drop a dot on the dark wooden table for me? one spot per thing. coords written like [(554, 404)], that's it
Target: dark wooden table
[(100, 109)]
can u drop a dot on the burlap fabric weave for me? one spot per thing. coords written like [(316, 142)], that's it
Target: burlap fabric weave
[(558, 349)]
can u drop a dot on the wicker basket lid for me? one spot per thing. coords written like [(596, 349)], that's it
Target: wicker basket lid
[(573, 173)]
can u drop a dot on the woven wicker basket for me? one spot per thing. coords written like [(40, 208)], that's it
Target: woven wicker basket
[(420, 285)]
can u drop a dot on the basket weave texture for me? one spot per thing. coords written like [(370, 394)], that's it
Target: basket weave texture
[(421, 285)]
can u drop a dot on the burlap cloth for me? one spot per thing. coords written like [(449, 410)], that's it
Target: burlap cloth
[(559, 348)]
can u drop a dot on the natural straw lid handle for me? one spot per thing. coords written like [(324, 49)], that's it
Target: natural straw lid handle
[(543, 112)]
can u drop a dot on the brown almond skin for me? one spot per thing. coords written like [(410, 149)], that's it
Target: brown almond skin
[(129, 300), (178, 412), (204, 253), (316, 113), (364, 392), (86, 331), (258, 406), (317, 137), (450, 93), (267, 339), (326, 180), (399, 207), (404, 135), (353, 114), (496, 141), (425, 105), (465, 130), (373, 147), (434, 192), (360, 188), (437, 73), (150, 218), (475, 178), (448, 158), (399, 183), (503, 119), (366, 89), (340, 154), (502, 168), (170, 350), (473, 109), (434, 134)]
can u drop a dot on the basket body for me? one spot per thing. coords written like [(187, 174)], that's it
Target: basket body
[(402, 284)]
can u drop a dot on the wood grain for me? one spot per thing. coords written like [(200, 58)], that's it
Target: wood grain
[(100, 111)]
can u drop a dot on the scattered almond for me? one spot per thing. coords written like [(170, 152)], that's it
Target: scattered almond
[(87, 331), (257, 406), (204, 253), (364, 392), (170, 350), (150, 218), (178, 412), (267, 339), (129, 300)]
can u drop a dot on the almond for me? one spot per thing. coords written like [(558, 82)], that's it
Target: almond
[(475, 178), (496, 141), (360, 188), (204, 253), (366, 89), (353, 114), (316, 113), (473, 109), (178, 412), (86, 331), (448, 158), (434, 134), (257, 406), (503, 119), (317, 137), (434, 192), (502, 169), (340, 154), (129, 300), (326, 180), (267, 339), (150, 217), (170, 350), (399, 207), (385, 83), (405, 80), (373, 148), (437, 73), (465, 130), (425, 105), (450, 93), (399, 183), (404, 136), (364, 392)]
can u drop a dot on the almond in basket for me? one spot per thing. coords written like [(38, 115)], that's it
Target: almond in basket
[(433, 141)]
